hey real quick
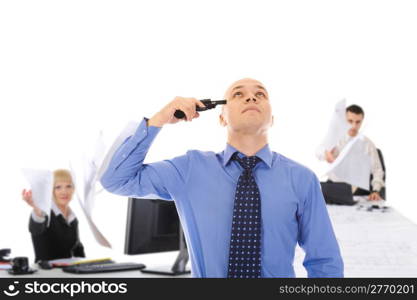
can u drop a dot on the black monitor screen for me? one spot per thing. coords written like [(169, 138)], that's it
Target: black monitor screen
[(152, 226)]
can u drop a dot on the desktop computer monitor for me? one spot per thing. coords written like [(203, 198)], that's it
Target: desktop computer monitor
[(153, 226)]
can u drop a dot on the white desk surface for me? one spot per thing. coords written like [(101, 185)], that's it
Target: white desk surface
[(373, 244), (164, 263)]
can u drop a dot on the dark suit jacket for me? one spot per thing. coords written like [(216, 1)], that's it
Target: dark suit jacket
[(59, 240)]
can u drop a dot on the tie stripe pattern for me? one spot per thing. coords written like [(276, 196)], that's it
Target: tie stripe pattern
[(245, 240)]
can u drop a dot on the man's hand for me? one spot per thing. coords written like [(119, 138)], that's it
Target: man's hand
[(166, 114), (329, 156), (374, 196)]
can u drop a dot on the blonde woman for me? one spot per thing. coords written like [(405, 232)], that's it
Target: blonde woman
[(60, 239)]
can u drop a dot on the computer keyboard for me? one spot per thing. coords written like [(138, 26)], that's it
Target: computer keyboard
[(102, 268)]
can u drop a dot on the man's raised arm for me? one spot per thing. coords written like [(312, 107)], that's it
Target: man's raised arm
[(127, 175)]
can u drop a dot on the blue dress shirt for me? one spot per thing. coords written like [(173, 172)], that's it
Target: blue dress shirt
[(203, 186)]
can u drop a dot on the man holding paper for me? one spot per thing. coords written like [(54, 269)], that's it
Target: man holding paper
[(367, 155)]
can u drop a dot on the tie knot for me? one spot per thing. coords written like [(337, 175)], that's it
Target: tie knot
[(247, 162)]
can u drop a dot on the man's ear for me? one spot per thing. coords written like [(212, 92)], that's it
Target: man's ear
[(222, 121)]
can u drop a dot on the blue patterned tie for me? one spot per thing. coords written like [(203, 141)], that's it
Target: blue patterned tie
[(245, 240)]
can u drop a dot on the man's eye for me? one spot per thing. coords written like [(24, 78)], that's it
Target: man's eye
[(260, 94), (237, 94)]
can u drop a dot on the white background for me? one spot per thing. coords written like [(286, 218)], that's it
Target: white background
[(69, 69)]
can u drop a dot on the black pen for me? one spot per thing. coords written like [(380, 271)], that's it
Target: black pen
[(209, 104)]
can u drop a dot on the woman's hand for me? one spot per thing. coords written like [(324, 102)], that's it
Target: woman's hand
[(27, 197)]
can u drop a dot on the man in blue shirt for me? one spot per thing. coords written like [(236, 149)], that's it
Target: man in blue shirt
[(204, 185)]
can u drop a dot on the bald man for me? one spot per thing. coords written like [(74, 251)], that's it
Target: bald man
[(243, 210)]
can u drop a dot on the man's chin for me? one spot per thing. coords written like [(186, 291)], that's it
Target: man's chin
[(250, 126), (353, 133)]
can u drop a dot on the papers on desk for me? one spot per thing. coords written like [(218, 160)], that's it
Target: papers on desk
[(369, 205), (373, 244), (86, 176), (353, 165), (5, 266), (41, 182), (63, 262)]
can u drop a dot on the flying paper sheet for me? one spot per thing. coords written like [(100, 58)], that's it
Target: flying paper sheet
[(100, 238), (87, 184), (41, 182), (337, 129), (92, 170), (353, 164)]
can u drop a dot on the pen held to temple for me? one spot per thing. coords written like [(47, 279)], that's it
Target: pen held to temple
[(179, 114)]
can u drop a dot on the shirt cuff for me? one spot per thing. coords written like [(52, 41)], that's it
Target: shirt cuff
[(38, 219), (145, 132)]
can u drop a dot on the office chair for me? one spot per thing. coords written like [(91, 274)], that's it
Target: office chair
[(382, 193)]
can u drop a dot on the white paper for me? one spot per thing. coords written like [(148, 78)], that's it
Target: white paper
[(41, 184), (353, 164), (86, 176), (375, 244), (338, 128), (66, 261), (100, 238), (364, 203), (92, 170), (5, 266)]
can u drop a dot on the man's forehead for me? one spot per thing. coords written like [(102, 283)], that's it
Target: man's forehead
[(245, 83), (352, 115), (259, 86)]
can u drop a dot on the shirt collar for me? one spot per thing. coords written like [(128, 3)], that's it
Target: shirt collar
[(57, 212), (265, 154), (358, 136)]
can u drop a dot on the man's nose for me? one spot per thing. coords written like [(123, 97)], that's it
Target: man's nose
[(251, 98)]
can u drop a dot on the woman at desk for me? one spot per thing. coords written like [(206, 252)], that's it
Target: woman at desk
[(60, 238)]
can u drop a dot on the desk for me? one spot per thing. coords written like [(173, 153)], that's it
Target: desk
[(165, 262), (373, 244)]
